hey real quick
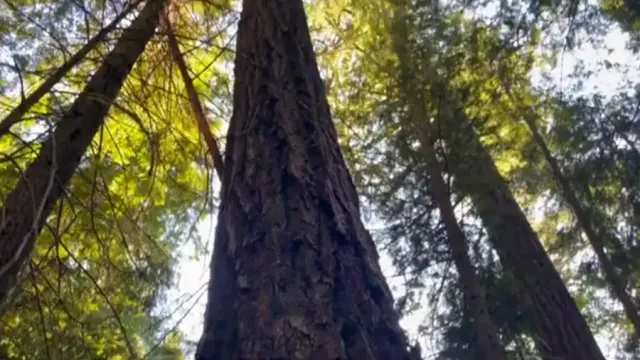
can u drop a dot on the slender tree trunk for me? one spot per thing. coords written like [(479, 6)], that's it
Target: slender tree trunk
[(294, 274), (585, 221), (559, 329), (19, 111), (486, 331), (194, 99), (26, 208), (487, 338)]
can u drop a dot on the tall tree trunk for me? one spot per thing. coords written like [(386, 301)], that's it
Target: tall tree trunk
[(585, 220), (560, 330), (294, 274), (194, 99), (25, 104), (27, 207), (487, 338), (474, 293)]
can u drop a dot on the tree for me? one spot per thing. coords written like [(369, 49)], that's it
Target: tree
[(27, 103), (556, 323), (486, 331), (593, 142), (596, 233), (294, 272), (456, 55), (26, 208), (101, 275), (428, 128), (541, 292)]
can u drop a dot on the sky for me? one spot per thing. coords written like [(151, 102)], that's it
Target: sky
[(193, 272)]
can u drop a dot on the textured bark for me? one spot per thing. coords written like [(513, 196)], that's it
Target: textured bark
[(294, 274), (19, 111), (194, 99), (595, 238), (26, 208), (560, 330)]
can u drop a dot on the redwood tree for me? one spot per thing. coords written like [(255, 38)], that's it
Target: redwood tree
[(294, 274), (559, 329), (411, 86), (596, 233), (27, 207)]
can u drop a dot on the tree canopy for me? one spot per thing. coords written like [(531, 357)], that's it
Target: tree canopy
[(542, 96)]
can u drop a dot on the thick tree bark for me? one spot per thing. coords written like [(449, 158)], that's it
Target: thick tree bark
[(585, 220), (559, 328), (294, 274), (26, 208), (194, 99), (19, 111)]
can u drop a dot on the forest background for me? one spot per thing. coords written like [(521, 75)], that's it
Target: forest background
[(121, 266)]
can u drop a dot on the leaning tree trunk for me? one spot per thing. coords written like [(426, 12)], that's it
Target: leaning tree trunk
[(559, 329), (194, 99), (585, 220), (294, 274), (23, 107), (487, 338), (26, 208)]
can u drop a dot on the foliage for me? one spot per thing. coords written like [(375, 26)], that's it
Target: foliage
[(484, 64), (96, 287), (107, 255)]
